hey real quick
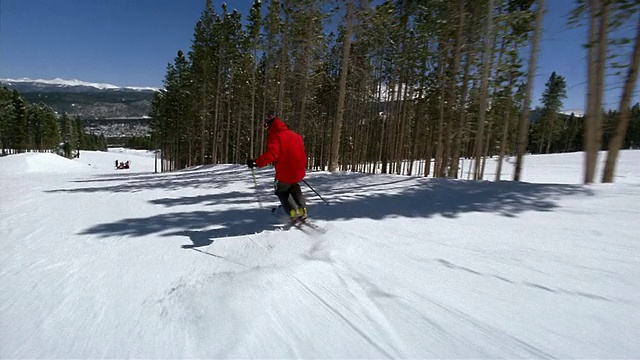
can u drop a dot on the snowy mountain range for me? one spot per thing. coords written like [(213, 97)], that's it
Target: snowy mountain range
[(57, 83), (575, 112), (85, 99)]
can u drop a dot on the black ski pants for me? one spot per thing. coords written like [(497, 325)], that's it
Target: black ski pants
[(290, 196)]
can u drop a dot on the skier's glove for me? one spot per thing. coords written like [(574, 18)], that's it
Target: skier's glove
[(251, 163)]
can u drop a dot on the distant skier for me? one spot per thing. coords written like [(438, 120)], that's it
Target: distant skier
[(67, 150), (285, 149)]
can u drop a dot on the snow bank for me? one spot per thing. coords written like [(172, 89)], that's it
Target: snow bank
[(97, 162), (28, 163)]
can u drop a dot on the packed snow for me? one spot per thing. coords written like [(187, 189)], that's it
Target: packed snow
[(103, 263), (30, 163)]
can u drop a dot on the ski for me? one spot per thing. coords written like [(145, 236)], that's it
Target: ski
[(307, 225)]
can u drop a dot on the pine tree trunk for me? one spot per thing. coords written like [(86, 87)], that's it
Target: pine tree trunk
[(484, 89), (449, 145), (523, 126), (487, 150), (228, 129), (391, 129), (505, 128), (549, 135), (596, 57), (236, 147), (602, 68), (264, 107), (302, 118), (437, 164), (401, 148), (601, 10), (457, 147), (416, 129), (490, 121), (216, 108), (623, 121), (383, 126), (203, 120), (589, 120), (337, 126), (252, 124), (429, 153), (283, 58)]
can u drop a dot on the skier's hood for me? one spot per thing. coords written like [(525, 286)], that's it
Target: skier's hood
[(278, 126)]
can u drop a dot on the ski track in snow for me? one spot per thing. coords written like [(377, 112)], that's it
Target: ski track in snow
[(99, 263)]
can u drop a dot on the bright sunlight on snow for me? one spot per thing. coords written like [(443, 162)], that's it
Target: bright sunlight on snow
[(103, 263)]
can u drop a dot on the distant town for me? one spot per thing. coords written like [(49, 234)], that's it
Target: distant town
[(118, 127)]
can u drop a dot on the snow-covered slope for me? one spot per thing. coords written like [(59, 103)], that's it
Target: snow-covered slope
[(109, 263), (28, 163)]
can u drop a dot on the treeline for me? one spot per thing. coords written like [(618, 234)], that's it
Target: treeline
[(403, 80), (37, 127), (554, 132), (567, 132), (139, 143)]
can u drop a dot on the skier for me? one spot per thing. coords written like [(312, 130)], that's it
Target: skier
[(285, 149)]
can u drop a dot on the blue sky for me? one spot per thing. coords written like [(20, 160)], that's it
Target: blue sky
[(130, 42)]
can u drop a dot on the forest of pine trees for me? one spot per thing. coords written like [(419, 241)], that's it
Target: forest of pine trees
[(400, 81), (372, 88), (37, 127)]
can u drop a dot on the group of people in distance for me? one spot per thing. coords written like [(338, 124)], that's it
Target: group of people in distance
[(122, 165)]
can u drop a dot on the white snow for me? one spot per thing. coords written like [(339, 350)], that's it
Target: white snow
[(104, 263), (27, 163)]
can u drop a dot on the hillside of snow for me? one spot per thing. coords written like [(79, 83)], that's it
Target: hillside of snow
[(103, 263), (34, 163)]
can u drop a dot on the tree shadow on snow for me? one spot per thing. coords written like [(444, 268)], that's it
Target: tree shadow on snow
[(205, 177), (352, 196)]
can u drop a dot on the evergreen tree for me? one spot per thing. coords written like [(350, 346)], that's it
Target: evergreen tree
[(50, 130), (624, 108), (66, 134), (253, 38), (204, 60), (7, 119), (337, 125), (548, 127), (408, 88), (20, 127), (523, 124), (78, 134)]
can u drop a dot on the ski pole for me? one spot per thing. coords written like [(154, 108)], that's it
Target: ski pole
[(314, 190), (255, 183)]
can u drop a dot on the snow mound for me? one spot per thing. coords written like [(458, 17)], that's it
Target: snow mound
[(28, 163)]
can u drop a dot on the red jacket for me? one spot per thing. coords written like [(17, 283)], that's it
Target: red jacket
[(285, 149)]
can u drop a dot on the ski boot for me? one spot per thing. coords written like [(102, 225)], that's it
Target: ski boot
[(298, 216)]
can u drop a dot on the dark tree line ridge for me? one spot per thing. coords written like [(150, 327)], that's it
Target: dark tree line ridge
[(37, 127)]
